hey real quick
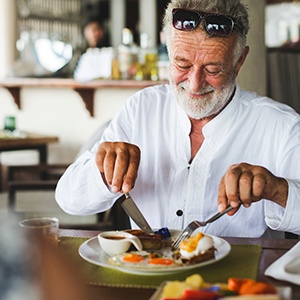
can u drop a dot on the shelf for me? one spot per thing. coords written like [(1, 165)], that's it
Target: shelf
[(52, 18), (85, 90)]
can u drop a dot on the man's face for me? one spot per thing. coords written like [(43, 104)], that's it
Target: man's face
[(202, 71)]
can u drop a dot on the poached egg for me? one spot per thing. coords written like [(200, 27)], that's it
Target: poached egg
[(195, 245)]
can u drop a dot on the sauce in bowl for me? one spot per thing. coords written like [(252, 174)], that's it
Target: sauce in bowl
[(117, 242), (115, 237)]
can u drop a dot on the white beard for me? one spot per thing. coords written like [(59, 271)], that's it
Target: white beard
[(208, 105)]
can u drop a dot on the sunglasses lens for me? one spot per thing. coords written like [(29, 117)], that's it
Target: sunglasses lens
[(218, 25), (185, 20)]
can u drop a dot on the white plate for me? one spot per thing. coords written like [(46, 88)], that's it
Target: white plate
[(91, 251)]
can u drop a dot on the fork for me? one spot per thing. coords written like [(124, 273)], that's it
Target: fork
[(187, 232)]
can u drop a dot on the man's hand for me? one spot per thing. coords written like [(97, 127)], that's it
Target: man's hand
[(118, 163), (243, 184)]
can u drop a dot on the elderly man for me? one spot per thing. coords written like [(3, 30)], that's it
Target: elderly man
[(190, 148)]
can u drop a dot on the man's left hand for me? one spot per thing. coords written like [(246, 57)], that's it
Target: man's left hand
[(244, 184)]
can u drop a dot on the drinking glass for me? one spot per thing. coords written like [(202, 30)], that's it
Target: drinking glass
[(44, 227), (10, 123)]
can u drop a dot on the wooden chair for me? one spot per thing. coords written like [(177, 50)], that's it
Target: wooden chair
[(32, 178), (45, 177)]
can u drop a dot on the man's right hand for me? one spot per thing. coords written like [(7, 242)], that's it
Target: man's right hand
[(118, 163)]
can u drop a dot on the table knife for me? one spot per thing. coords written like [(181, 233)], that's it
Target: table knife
[(135, 214)]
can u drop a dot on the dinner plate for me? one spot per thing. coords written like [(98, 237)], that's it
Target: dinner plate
[(91, 251)]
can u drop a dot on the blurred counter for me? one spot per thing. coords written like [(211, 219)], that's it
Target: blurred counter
[(85, 90)]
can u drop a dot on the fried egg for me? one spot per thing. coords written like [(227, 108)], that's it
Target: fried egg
[(142, 259), (195, 245), (133, 258)]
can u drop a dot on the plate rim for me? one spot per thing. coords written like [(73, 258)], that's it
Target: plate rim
[(152, 272)]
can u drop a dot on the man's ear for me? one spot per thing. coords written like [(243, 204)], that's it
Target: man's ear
[(241, 60)]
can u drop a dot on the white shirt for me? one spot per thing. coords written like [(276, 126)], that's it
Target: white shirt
[(251, 129)]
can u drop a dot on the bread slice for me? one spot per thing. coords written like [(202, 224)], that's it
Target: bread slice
[(207, 255)]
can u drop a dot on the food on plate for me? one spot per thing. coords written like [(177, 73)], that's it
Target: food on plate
[(132, 258), (150, 241), (196, 249), (194, 287), (164, 232), (143, 259), (248, 286), (157, 251), (161, 261)]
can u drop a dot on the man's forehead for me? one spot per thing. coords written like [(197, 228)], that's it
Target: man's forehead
[(198, 40)]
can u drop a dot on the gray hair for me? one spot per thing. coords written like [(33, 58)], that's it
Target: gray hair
[(233, 8)]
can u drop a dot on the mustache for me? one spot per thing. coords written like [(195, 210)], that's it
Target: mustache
[(184, 86)]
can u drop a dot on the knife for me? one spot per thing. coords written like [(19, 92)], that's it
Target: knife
[(135, 214)]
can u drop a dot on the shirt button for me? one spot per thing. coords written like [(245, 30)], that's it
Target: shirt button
[(179, 212)]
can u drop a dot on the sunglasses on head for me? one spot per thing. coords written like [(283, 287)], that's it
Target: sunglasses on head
[(214, 24)]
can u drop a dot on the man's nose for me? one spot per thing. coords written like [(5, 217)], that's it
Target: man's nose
[(196, 80)]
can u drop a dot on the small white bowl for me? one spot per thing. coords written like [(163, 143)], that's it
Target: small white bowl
[(117, 242)]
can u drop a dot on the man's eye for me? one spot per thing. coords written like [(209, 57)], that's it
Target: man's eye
[(183, 67), (213, 71)]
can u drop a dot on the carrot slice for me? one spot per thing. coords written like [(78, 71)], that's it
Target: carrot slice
[(250, 287)]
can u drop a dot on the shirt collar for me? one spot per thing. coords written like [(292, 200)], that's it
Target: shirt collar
[(222, 123)]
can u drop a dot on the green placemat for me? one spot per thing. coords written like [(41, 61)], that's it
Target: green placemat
[(242, 261)]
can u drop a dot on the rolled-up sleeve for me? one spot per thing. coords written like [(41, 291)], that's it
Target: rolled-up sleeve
[(81, 190), (286, 219)]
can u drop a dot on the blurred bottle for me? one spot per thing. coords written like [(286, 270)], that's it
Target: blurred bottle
[(127, 55), (115, 68), (147, 60), (163, 58)]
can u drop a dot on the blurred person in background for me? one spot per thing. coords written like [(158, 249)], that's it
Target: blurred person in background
[(95, 61), (95, 33)]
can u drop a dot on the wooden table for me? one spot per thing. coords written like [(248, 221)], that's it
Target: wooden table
[(272, 249), (31, 141)]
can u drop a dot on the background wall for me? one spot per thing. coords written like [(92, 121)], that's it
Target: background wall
[(253, 75), (61, 112)]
